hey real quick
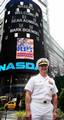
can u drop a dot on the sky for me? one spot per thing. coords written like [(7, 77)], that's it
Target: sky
[(56, 20)]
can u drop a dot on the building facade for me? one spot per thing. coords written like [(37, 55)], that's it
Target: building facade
[(53, 50), (26, 38)]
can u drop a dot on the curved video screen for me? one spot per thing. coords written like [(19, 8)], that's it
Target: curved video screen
[(23, 36)]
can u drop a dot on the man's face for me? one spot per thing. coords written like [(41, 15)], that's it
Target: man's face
[(43, 68)]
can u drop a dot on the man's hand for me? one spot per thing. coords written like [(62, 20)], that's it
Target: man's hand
[(28, 115), (55, 114)]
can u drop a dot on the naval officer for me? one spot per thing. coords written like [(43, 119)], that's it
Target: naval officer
[(41, 94)]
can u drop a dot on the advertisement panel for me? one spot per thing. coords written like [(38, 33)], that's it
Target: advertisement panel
[(25, 49)]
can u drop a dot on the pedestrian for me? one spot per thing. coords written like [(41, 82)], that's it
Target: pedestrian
[(18, 102), (41, 94)]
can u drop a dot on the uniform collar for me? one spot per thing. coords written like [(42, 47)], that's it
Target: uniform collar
[(42, 76)]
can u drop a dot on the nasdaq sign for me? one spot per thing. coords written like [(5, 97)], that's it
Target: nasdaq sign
[(18, 65)]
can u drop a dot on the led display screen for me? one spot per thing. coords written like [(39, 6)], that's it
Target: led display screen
[(25, 49), (23, 36)]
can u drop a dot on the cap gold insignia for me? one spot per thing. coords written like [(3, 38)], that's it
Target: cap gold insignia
[(43, 62)]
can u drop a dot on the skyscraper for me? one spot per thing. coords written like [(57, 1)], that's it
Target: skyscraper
[(26, 37)]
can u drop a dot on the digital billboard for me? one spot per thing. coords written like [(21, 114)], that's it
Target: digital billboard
[(23, 36), (25, 49)]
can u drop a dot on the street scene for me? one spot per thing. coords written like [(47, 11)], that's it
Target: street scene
[(31, 63)]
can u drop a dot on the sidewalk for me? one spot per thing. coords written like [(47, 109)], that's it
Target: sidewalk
[(9, 115)]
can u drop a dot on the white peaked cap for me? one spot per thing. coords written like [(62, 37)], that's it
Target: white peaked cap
[(42, 61)]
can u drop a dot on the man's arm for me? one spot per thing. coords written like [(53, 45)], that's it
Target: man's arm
[(55, 105), (27, 103), (55, 101)]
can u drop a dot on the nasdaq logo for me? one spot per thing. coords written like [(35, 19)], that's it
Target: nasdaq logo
[(18, 65)]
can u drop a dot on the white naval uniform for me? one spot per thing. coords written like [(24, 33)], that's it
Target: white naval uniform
[(42, 90)]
